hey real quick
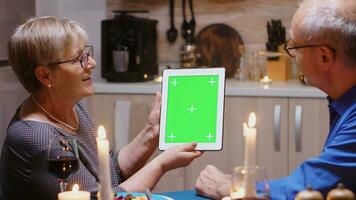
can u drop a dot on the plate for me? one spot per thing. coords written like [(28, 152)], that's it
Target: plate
[(136, 194)]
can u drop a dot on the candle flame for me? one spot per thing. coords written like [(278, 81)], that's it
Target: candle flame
[(252, 120), (101, 132), (266, 79), (75, 188)]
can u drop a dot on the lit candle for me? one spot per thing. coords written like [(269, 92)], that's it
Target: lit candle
[(75, 194), (104, 165), (250, 132), (266, 80)]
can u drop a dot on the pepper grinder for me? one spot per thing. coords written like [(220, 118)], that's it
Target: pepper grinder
[(309, 194), (340, 193)]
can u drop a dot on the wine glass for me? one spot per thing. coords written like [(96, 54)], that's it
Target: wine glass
[(249, 183), (63, 159)]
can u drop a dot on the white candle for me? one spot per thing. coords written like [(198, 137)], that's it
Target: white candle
[(266, 80), (250, 132), (75, 194), (104, 165)]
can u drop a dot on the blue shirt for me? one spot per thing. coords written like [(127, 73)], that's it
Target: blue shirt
[(337, 161), (338, 107)]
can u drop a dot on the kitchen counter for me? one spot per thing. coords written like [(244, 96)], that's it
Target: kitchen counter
[(233, 88), (292, 88)]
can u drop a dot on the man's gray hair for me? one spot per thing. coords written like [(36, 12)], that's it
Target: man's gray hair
[(330, 22), (41, 41)]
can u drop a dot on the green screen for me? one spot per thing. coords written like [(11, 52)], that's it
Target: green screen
[(192, 109)]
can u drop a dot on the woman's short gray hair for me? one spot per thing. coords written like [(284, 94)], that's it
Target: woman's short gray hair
[(330, 22), (40, 41)]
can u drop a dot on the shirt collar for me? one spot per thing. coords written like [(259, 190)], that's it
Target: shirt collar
[(341, 104)]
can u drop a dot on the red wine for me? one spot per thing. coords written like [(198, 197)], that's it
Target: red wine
[(63, 167)]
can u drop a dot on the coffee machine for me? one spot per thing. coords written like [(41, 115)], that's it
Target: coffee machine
[(129, 48)]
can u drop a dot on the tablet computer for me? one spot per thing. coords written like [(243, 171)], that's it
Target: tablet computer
[(192, 108)]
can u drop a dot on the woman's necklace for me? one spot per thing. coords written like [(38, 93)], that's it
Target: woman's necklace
[(75, 129)]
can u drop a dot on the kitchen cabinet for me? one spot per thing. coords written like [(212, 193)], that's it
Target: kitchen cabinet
[(308, 128), (290, 130), (134, 109)]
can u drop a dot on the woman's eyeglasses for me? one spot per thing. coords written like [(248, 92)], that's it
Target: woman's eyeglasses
[(83, 58), (291, 50)]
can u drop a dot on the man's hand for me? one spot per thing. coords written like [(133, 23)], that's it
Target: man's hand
[(213, 183)]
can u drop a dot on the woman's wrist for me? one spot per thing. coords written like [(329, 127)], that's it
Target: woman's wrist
[(143, 141), (159, 164), (134, 155), (147, 177), (149, 136)]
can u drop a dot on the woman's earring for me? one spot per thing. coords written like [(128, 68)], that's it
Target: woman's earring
[(49, 85)]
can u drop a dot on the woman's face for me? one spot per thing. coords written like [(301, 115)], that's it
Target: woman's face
[(71, 80)]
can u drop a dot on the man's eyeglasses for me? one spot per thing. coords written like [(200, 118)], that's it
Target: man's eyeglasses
[(291, 50), (83, 58)]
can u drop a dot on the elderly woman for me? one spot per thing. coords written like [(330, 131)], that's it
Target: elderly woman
[(52, 60)]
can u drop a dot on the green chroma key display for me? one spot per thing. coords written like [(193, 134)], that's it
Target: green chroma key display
[(192, 106)]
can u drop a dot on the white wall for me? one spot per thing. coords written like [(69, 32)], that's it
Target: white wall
[(88, 13)]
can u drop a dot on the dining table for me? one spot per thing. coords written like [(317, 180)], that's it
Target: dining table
[(183, 194)]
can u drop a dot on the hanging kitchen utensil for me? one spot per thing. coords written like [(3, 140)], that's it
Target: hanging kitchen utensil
[(172, 31), (191, 24), (184, 26), (188, 28)]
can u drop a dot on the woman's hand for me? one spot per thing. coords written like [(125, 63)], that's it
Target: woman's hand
[(177, 156), (213, 183), (152, 126), (149, 175), (133, 156)]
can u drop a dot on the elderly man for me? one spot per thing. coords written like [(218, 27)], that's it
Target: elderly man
[(323, 44)]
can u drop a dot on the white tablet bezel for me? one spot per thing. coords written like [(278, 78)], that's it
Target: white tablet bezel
[(217, 146)]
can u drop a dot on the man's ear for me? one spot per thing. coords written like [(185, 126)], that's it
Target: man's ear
[(327, 58), (42, 74)]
